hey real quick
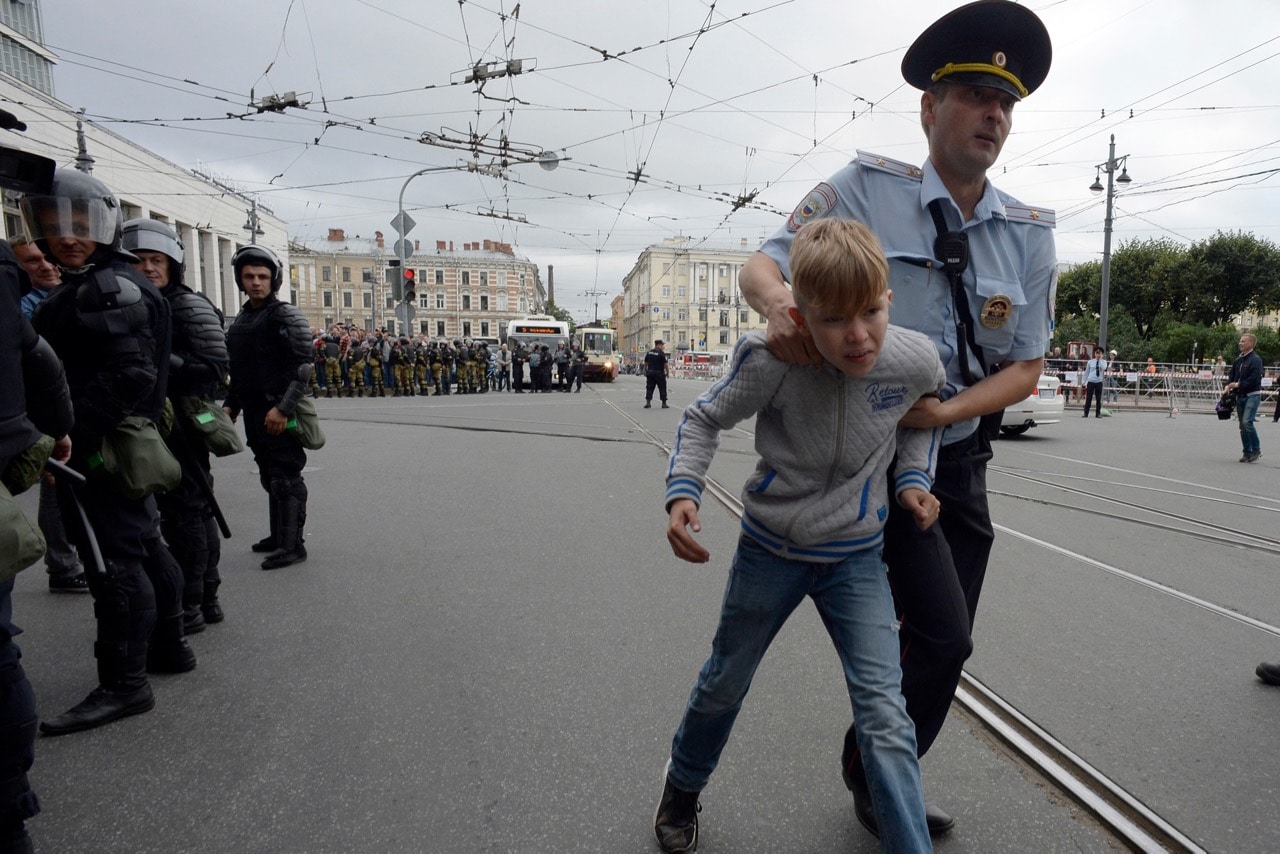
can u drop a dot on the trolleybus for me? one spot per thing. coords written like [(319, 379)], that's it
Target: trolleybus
[(599, 342), (536, 330)]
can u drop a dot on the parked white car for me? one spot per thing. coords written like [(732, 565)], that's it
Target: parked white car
[(1044, 406)]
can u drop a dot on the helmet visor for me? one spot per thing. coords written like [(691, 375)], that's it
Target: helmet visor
[(47, 217)]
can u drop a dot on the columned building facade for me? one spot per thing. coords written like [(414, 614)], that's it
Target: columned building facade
[(687, 294)]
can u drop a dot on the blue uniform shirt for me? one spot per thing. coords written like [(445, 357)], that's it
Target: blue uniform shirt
[(1012, 271)]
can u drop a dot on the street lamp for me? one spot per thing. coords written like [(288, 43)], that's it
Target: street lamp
[(548, 160), (1109, 167)]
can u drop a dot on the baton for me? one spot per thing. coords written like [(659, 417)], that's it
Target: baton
[(74, 481), (201, 481)]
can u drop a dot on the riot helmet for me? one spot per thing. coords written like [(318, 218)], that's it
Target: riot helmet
[(77, 205), (457, 342), (149, 235), (259, 256)]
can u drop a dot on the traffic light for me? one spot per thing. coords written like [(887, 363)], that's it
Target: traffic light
[(393, 276), (410, 294)]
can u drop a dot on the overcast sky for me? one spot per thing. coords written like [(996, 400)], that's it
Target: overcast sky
[(727, 112)]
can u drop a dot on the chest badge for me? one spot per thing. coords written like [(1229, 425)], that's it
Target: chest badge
[(995, 311)]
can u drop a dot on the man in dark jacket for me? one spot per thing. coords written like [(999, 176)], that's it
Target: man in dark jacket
[(1246, 380)]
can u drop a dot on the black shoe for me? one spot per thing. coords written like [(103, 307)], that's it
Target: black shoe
[(102, 706), (1254, 457), (676, 821), (937, 820), (170, 656), (69, 584), (192, 620), (1269, 673), (212, 611), (266, 544), (647, 404), (280, 558), (664, 405)]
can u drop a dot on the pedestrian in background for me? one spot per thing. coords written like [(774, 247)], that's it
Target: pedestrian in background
[(1095, 372), (1246, 380)]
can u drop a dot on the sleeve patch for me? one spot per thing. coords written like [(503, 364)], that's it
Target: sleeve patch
[(816, 205)]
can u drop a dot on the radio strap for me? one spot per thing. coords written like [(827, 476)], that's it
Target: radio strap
[(952, 247)]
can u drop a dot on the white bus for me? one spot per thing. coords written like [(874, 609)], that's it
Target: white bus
[(536, 330)]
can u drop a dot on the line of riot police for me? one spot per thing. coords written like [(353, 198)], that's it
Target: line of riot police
[(351, 363)]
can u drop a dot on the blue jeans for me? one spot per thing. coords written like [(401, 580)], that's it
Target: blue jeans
[(856, 607), (1247, 411)]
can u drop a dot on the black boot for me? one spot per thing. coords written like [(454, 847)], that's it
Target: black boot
[(209, 606), (291, 497), (269, 542), (169, 651), (123, 690)]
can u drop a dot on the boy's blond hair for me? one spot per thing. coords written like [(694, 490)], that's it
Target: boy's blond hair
[(837, 265)]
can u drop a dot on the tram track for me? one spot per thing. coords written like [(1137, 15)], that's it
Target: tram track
[(1135, 825)]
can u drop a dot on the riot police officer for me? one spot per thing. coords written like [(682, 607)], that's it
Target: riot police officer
[(110, 327), (33, 375), (332, 347), (197, 370), (270, 349)]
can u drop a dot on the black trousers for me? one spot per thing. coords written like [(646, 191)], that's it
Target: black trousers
[(936, 577), (1093, 393), (654, 380)]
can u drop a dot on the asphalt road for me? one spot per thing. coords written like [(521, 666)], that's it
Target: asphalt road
[(491, 645)]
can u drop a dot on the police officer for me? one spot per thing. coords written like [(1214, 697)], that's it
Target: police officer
[(577, 364), (110, 327), (332, 349), (519, 358), (655, 374), (973, 65), (355, 369), (269, 346), (32, 373), (375, 357), (197, 369)]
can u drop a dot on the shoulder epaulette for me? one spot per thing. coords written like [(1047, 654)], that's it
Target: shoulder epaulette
[(894, 167), (1036, 216)]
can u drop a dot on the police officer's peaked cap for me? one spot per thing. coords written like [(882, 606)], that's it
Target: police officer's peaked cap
[(994, 43)]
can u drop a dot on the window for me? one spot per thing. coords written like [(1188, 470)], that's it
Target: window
[(466, 329), (346, 274), (326, 274), (439, 277), (502, 302), (389, 301), (702, 313), (484, 329), (724, 318), (681, 291), (422, 327), (366, 300), (440, 301), (724, 336), (347, 301), (724, 270), (326, 300), (366, 275), (424, 300), (466, 277), (484, 279), (682, 314), (439, 328), (484, 302), (744, 315), (666, 291), (666, 315), (466, 302)]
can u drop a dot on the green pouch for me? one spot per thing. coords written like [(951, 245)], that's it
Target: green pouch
[(305, 425), (206, 419), (21, 543), (136, 460)]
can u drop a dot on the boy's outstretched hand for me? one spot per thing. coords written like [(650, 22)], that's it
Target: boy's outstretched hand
[(922, 505), (683, 519)]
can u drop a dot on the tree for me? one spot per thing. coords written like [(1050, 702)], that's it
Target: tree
[(1230, 272)]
